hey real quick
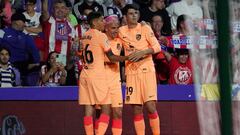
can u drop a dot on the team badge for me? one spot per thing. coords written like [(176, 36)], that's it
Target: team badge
[(182, 75), (138, 36), (127, 98)]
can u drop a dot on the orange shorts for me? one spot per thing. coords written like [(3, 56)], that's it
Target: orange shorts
[(116, 93), (140, 88), (93, 91)]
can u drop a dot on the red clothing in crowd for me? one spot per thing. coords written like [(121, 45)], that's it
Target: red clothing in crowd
[(180, 73)]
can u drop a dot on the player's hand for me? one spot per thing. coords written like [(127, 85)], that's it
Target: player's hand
[(136, 56)]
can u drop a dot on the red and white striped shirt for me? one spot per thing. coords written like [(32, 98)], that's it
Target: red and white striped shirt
[(58, 35), (209, 71), (54, 79)]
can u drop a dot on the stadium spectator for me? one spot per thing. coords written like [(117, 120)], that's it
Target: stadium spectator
[(208, 66), (17, 6), (160, 62), (114, 9), (180, 71), (9, 76), (5, 13), (187, 7), (53, 73), (88, 4), (183, 25), (25, 55), (71, 18), (141, 3), (58, 31), (157, 7), (33, 26)]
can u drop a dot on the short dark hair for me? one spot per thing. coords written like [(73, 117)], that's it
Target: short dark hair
[(129, 6), (160, 15), (30, 1), (181, 51), (6, 49), (68, 3), (59, 1), (92, 16)]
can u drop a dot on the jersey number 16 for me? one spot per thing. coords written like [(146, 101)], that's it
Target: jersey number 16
[(87, 55)]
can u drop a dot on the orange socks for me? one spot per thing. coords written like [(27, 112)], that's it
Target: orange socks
[(154, 123), (103, 124), (88, 125), (139, 124), (117, 126)]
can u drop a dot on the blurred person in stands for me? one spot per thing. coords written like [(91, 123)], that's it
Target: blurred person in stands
[(180, 71), (33, 26), (160, 62), (25, 55), (157, 7), (53, 73), (71, 18), (183, 25), (9, 76), (208, 65), (89, 4), (58, 31), (187, 7), (114, 8), (5, 13)]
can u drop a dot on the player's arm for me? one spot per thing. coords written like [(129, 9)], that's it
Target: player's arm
[(138, 55), (45, 13), (115, 58), (152, 40), (153, 43)]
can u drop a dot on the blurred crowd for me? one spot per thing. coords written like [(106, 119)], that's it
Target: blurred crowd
[(40, 39)]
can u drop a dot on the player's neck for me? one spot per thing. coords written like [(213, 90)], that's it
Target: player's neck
[(132, 25)]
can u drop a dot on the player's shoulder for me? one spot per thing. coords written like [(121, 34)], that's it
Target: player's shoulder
[(123, 28), (146, 27)]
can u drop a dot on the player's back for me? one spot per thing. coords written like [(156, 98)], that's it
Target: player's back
[(94, 44)]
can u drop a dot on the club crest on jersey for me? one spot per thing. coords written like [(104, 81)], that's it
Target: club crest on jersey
[(138, 36), (119, 46)]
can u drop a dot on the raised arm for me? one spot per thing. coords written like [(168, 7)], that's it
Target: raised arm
[(45, 12), (167, 55)]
